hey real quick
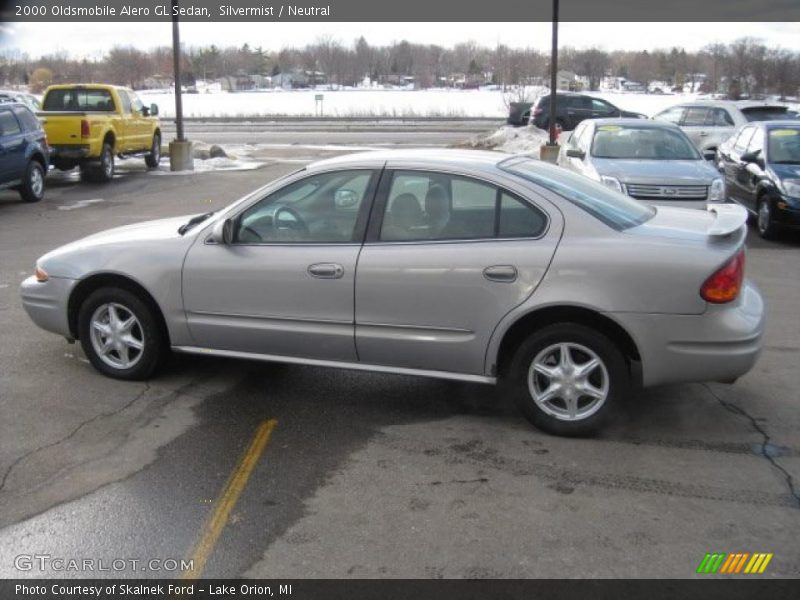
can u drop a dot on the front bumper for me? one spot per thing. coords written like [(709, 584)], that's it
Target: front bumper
[(721, 344), (46, 303), (788, 216)]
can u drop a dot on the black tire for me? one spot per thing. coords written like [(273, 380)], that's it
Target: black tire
[(147, 329), (765, 222), (105, 170), (152, 159), (33, 182), (613, 371)]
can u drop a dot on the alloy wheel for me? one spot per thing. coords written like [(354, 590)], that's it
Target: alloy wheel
[(116, 335), (568, 381)]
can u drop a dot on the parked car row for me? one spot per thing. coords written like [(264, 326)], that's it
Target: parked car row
[(84, 126)]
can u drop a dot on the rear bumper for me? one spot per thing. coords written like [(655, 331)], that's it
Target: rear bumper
[(721, 344), (72, 152), (46, 303)]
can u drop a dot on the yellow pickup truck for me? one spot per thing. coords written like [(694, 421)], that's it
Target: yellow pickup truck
[(87, 125)]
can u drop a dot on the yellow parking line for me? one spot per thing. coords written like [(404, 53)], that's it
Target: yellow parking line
[(227, 499)]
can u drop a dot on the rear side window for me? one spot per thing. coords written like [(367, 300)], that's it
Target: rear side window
[(79, 100), (616, 210), (765, 113), (428, 206), (743, 138), (27, 119), (8, 123)]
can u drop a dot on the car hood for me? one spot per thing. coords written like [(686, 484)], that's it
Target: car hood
[(662, 172), (785, 171)]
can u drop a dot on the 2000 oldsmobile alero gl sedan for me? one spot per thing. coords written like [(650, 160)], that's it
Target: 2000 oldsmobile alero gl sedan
[(466, 265)]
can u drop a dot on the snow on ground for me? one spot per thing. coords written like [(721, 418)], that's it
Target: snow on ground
[(490, 103), (514, 140)]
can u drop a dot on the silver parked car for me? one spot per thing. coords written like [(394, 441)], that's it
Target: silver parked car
[(649, 160), (708, 123), (476, 266)]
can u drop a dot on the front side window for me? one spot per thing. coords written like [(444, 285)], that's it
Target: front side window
[(696, 117), (79, 100), (671, 115), (126, 101), (427, 206), (323, 208), (644, 143), (743, 139), (136, 104), (615, 209), (602, 107), (8, 123), (756, 143)]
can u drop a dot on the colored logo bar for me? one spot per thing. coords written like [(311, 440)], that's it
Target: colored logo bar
[(735, 563)]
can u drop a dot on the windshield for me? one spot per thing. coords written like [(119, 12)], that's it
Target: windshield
[(79, 100), (643, 143), (784, 145), (766, 113), (616, 210)]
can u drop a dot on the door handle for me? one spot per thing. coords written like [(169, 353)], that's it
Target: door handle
[(326, 270), (501, 273), (703, 134)]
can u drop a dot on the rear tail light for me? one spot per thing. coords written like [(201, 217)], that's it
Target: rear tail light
[(725, 284), (84, 128)]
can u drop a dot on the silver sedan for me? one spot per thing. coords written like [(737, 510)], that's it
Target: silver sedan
[(652, 161), (465, 265)]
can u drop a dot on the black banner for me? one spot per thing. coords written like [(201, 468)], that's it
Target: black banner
[(404, 589), (406, 11)]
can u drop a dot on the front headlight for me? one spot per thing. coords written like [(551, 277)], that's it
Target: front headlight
[(611, 182), (791, 187), (716, 193)]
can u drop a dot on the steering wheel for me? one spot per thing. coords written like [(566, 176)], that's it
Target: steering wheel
[(297, 223)]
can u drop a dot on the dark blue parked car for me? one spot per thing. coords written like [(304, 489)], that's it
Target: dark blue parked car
[(761, 163), (24, 155)]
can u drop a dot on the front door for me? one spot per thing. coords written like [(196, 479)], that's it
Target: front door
[(285, 284), (446, 258), (12, 147)]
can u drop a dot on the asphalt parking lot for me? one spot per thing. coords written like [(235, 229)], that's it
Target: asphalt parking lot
[(362, 475)]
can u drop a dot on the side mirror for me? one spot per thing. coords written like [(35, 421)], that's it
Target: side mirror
[(345, 198), (154, 110), (222, 232), (710, 155), (145, 111), (576, 153), (751, 157)]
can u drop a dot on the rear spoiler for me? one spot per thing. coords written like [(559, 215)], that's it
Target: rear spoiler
[(729, 219)]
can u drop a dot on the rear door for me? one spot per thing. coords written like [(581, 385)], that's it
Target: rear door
[(447, 256), (734, 167), (12, 147)]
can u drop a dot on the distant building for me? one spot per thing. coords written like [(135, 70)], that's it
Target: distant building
[(299, 78), (566, 80)]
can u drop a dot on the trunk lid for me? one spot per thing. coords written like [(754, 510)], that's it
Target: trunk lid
[(63, 128)]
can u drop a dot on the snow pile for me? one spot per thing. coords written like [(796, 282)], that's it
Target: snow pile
[(514, 140)]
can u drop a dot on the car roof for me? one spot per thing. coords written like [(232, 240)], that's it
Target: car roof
[(739, 104), (15, 104), (782, 123), (441, 157), (631, 121), (93, 86)]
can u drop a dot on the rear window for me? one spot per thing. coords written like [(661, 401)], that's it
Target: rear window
[(79, 100), (765, 113), (616, 210)]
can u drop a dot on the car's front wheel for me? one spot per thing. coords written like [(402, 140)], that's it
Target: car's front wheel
[(568, 378), (32, 188), (152, 159), (121, 334), (767, 228)]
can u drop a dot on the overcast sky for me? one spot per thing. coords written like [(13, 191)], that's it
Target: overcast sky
[(93, 39)]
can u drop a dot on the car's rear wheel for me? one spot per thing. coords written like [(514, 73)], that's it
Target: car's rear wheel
[(765, 223), (105, 170), (568, 379), (152, 159), (120, 334), (32, 188)]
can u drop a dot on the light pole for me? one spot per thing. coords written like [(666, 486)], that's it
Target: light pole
[(180, 149), (549, 150)]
